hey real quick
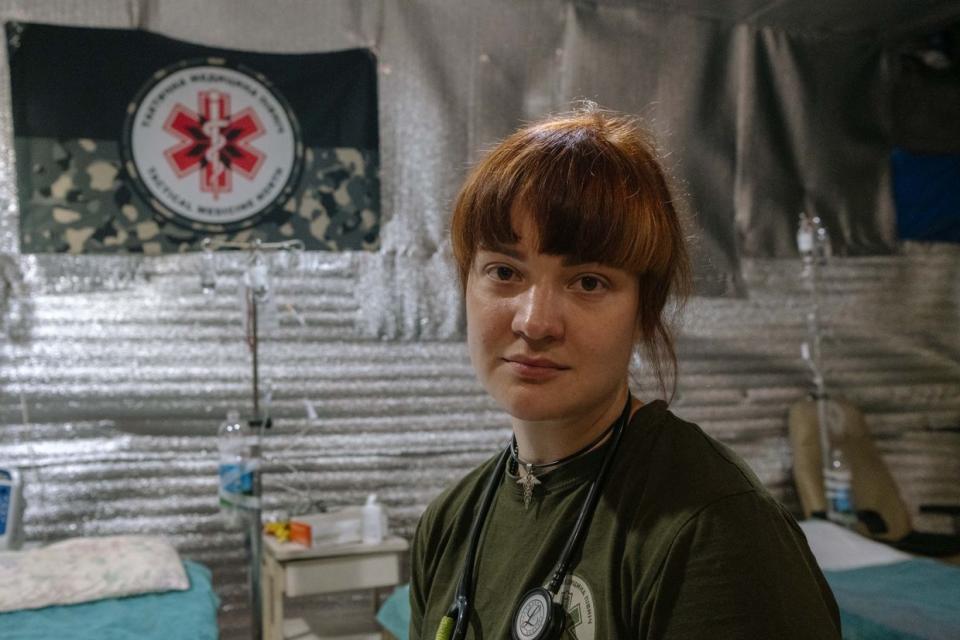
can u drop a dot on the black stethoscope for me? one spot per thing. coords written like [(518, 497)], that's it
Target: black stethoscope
[(540, 614)]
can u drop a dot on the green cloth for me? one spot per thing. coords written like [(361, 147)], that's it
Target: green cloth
[(685, 543)]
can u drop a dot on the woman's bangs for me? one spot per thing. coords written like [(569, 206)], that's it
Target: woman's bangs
[(588, 213), (589, 200)]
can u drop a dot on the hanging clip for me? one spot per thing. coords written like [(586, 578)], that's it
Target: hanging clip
[(208, 267)]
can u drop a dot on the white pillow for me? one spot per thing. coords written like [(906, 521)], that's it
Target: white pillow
[(85, 569), (837, 548)]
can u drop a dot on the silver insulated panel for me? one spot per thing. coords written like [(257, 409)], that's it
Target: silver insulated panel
[(112, 394)]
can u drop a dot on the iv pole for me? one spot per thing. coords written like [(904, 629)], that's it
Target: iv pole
[(254, 518), (256, 286), (813, 244)]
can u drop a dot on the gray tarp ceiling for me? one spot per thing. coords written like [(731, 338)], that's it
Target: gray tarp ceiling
[(773, 107), (885, 19)]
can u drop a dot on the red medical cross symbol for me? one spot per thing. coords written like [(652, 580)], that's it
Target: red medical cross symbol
[(214, 142)]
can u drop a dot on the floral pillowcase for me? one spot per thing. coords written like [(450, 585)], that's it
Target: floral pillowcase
[(86, 569)]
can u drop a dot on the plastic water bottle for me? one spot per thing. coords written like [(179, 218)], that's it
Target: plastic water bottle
[(839, 490), (238, 462)]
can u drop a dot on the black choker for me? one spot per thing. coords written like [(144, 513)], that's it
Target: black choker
[(530, 479)]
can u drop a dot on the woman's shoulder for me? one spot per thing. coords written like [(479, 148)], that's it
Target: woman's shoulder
[(697, 504), (672, 465), (681, 445)]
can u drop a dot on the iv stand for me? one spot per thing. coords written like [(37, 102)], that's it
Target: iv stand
[(813, 242), (252, 536), (254, 517)]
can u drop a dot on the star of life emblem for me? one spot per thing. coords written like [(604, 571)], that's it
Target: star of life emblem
[(212, 147), (214, 143), (579, 603)]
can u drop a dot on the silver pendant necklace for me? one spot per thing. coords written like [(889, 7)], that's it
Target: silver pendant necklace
[(529, 479)]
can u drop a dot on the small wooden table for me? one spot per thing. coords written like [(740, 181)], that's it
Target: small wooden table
[(290, 569)]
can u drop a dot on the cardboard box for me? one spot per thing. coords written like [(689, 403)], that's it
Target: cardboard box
[(338, 526)]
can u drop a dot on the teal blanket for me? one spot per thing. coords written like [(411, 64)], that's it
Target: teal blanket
[(394, 615), (911, 600), (174, 615)]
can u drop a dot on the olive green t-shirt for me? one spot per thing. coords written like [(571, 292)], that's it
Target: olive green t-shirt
[(685, 544)]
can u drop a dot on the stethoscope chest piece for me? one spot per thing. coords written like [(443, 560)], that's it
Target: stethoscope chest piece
[(537, 616)]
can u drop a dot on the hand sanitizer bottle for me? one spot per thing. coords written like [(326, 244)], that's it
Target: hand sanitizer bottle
[(372, 529)]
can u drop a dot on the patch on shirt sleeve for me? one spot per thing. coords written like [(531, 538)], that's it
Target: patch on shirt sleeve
[(581, 612)]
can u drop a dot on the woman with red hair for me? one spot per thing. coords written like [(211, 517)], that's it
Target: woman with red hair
[(606, 516)]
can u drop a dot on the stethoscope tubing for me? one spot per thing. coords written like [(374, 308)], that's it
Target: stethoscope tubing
[(459, 613), (461, 606), (589, 506)]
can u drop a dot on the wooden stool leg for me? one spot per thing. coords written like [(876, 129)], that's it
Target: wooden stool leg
[(272, 590)]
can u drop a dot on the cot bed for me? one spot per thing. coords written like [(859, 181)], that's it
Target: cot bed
[(95, 596), (883, 593)]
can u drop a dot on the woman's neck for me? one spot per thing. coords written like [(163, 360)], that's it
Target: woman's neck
[(545, 441)]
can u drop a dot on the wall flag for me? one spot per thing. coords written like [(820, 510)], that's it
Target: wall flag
[(131, 142)]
